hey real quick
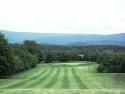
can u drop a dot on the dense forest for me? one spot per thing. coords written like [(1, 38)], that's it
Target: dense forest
[(15, 58)]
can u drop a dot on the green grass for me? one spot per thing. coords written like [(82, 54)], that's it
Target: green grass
[(80, 83), (53, 79), (64, 78), (65, 82), (40, 80)]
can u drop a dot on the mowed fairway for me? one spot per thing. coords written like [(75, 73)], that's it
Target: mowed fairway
[(64, 78)]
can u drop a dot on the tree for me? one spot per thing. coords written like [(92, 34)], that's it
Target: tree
[(28, 60), (49, 58), (41, 56), (6, 57), (110, 61), (31, 46)]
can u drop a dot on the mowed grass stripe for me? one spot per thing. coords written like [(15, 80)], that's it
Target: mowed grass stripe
[(30, 80), (53, 79), (38, 73), (9, 86), (59, 79), (66, 81), (73, 83), (28, 73), (23, 82), (41, 79), (47, 79), (91, 81), (77, 79)]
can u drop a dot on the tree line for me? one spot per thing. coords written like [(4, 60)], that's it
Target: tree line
[(15, 58)]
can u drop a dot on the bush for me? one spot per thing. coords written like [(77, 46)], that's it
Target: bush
[(110, 61)]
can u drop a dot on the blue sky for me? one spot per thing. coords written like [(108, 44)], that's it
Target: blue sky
[(63, 16)]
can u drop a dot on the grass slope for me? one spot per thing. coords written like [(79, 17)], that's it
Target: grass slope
[(64, 78)]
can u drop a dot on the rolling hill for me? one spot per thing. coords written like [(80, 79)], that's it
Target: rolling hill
[(64, 39)]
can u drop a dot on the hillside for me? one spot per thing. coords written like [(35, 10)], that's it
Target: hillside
[(72, 39)]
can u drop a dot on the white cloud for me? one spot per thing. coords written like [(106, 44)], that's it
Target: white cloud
[(63, 16)]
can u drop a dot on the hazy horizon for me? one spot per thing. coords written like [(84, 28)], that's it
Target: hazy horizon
[(61, 33), (67, 16)]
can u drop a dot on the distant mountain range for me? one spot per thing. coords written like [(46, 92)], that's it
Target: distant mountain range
[(64, 39)]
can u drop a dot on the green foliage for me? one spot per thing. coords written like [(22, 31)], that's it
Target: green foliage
[(41, 56), (17, 58), (6, 56), (31, 46), (110, 61), (28, 60), (49, 58)]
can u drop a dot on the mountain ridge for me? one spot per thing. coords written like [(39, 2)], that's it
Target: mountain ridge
[(65, 39)]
